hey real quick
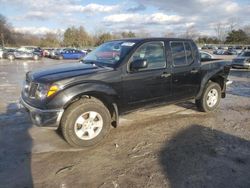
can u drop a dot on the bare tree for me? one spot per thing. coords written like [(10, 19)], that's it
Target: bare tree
[(220, 30), (246, 29), (233, 23), (191, 33)]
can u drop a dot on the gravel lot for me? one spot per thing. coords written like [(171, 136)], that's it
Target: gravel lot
[(167, 146)]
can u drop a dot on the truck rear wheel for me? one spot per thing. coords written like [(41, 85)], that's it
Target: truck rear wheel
[(85, 123), (210, 98)]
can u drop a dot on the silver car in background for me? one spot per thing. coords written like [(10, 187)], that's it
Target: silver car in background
[(242, 60)]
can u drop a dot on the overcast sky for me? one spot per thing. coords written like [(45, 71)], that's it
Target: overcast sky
[(154, 16)]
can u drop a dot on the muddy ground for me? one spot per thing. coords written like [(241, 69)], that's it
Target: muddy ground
[(168, 146)]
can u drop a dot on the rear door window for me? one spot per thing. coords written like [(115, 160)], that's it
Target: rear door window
[(189, 54), (182, 53), (178, 53)]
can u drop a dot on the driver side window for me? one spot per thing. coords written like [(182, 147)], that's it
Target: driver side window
[(153, 53)]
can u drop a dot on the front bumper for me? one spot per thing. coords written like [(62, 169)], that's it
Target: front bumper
[(43, 118)]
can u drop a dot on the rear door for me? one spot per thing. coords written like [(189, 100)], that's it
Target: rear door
[(75, 54), (185, 69), (153, 82)]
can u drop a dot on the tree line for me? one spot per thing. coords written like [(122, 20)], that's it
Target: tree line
[(78, 37)]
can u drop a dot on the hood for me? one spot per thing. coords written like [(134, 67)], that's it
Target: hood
[(64, 71)]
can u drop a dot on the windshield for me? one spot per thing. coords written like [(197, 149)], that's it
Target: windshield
[(109, 53), (245, 54)]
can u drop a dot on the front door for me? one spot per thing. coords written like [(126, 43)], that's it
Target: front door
[(152, 82)]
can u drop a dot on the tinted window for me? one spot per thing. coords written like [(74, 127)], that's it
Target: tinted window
[(153, 52), (178, 53), (189, 53)]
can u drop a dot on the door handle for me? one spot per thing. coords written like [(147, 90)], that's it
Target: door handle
[(165, 75), (193, 71)]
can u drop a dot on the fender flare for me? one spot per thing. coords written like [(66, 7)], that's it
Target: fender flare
[(206, 78), (101, 91)]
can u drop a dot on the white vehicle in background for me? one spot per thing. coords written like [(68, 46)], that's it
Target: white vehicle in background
[(1, 53), (27, 48), (219, 52), (205, 56), (239, 49)]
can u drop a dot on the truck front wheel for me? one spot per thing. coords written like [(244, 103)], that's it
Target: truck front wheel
[(210, 98), (86, 122)]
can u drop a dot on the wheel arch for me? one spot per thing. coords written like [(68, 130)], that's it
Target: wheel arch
[(217, 77), (104, 94)]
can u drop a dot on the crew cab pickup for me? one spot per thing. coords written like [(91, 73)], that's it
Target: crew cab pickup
[(85, 99)]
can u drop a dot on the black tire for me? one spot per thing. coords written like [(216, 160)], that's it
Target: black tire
[(202, 103), (74, 111)]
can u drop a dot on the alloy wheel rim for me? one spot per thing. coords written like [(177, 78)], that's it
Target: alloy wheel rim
[(212, 97), (88, 125)]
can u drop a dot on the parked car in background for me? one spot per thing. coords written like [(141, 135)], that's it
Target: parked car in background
[(53, 52), (206, 56), (7, 51), (1, 53), (230, 51), (38, 51), (46, 52), (238, 49), (246, 48), (12, 54), (69, 54), (242, 60), (28, 48), (219, 52)]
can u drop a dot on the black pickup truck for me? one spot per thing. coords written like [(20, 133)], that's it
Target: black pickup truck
[(85, 99)]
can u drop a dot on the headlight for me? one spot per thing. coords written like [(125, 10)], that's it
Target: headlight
[(43, 91)]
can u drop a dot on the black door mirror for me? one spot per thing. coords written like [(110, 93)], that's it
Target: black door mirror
[(138, 64)]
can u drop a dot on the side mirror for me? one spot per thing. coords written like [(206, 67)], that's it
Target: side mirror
[(138, 64)]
